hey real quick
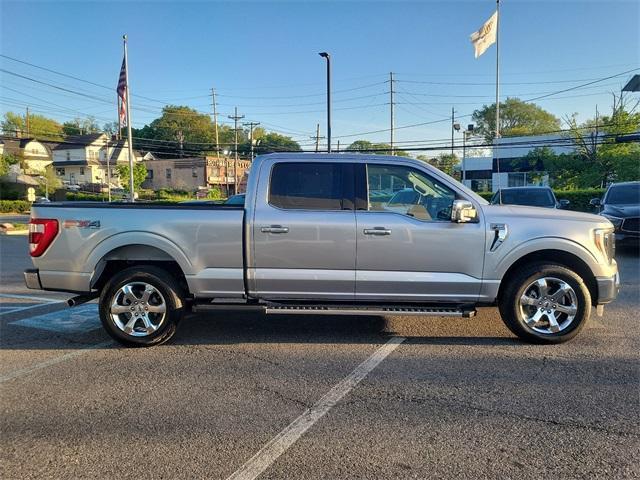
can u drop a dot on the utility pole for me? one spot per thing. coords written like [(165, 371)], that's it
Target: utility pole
[(453, 122), (106, 154), (27, 124), (392, 112), (317, 137), (215, 121), (235, 117), (251, 126)]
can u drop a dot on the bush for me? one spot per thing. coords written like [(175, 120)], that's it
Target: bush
[(86, 197), (11, 191), (14, 206)]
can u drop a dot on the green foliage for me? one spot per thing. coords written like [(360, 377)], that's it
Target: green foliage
[(139, 175), (516, 118), (14, 206), (274, 142), (366, 146), (184, 125), (445, 162), (49, 181), (86, 197), (486, 195), (39, 126), (214, 194), (6, 161), (80, 126)]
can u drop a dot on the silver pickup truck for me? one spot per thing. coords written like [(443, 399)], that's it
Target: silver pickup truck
[(328, 234)]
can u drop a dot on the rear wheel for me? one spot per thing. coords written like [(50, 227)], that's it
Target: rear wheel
[(545, 303), (141, 306)]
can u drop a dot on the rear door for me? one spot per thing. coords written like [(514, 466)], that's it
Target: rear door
[(408, 248), (304, 236)]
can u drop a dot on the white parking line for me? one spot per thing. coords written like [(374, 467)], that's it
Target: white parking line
[(287, 437), (7, 308), (53, 361), (29, 297)]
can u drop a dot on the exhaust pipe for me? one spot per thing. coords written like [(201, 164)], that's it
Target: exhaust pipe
[(80, 299)]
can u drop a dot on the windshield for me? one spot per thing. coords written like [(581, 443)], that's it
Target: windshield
[(534, 197), (624, 195)]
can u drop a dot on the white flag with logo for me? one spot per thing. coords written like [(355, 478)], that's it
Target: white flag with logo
[(486, 36)]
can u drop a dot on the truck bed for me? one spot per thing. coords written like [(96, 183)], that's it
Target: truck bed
[(196, 237)]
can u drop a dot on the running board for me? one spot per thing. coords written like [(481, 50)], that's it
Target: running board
[(397, 310)]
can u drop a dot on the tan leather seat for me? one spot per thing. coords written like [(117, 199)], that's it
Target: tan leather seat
[(419, 212)]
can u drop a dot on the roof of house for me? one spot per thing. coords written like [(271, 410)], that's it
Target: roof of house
[(16, 145), (79, 141)]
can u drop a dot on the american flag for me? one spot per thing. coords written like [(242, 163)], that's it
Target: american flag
[(122, 95)]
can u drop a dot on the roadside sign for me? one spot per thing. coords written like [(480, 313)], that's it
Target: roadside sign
[(31, 194)]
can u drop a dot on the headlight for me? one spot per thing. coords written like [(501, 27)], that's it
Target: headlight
[(617, 221), (605, 240)]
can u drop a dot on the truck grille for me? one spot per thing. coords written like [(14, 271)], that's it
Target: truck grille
[(631, 224)]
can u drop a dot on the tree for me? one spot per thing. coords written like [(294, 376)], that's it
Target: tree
[(80, 126), (110, 128), (39, 126), (603, 157), (445, 162), (274, 142), (188, 131), (366, 146), (6, 161), (516, 118), (139, 175), (49, 181)]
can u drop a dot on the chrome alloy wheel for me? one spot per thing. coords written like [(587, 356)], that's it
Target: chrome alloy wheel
[(548, 305), (138, 309)]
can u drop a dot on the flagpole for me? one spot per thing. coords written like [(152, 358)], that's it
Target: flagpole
[(128, 99), (497, 137)]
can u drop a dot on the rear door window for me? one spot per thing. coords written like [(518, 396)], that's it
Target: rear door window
[(310, 186)]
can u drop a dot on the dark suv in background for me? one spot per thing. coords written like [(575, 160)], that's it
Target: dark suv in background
[(621, 205), (530, 196)]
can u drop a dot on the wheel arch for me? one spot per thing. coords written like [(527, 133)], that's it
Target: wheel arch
[(115, 254), (559, 257)]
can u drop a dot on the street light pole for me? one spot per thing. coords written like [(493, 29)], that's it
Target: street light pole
[(328, 58)]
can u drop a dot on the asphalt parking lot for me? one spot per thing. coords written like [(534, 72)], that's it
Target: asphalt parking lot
[(313, 396)]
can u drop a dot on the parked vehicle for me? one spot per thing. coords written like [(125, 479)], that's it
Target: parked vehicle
[(310, 239), (531, 196), (235, 199), (621, 206)]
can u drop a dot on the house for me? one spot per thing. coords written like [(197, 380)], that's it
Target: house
[(35, 156), (193, 173), (85, 158)]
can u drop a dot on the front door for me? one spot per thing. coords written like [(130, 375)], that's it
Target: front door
[(304, 234), (408, 248)]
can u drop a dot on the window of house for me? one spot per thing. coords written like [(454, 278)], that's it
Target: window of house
[(307, 186), (60, 172), (194, 172), (149, 174), (81, 170), (407, 191), (68, 155), (168, 174)]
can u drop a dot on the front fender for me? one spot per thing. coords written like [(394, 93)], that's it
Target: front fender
[(496, 267)]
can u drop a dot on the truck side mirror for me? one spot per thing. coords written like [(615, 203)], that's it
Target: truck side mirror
[(595, 202), (564, 203), (463, 211)]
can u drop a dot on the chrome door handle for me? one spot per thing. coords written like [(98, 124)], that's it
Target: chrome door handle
[(377, 231), (274, 229)]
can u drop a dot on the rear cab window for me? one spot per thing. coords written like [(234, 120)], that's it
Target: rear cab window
[(311, 186)]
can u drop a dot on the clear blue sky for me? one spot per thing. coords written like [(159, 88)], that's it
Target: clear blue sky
[(262, 56)]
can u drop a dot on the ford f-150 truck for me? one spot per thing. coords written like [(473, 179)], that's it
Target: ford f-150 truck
[(318, 234)]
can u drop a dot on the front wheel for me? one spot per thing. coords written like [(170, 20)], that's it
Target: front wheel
[(141, 306), (545, 303)]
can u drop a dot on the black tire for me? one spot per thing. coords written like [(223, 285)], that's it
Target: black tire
[(520, 282), (167, 293)]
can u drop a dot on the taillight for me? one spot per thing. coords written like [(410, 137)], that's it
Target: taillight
[(42, 231)]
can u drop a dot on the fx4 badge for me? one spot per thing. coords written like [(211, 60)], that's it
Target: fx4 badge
[(81, 224)]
